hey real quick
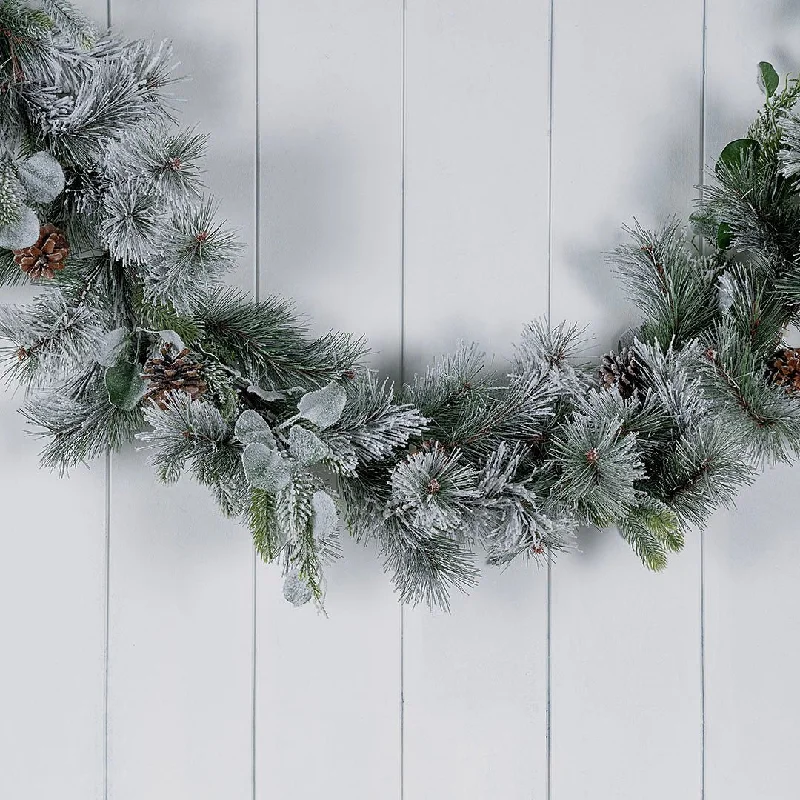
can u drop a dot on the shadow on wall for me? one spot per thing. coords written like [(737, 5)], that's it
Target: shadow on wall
[(585, 257), (307, 177)]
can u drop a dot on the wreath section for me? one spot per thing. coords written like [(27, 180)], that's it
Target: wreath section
[(134, 336)]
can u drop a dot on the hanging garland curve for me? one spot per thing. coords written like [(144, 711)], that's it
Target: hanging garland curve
[(135, 337)]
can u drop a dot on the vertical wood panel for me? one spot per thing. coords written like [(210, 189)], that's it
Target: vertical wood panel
[(328, 690), (52, 609), (180, 705), (625, 643), (476, 268), (751, 567)]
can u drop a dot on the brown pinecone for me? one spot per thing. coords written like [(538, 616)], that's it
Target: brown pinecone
[(623, 371), (783, 368), (173, 372), (43, 259)]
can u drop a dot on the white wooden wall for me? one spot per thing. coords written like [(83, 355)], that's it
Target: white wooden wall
[(419, 171)]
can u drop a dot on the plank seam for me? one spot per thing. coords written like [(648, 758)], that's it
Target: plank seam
[(548, 616), (257, 295), (402, 365), (703, 86), (107, 614), (107, 587)]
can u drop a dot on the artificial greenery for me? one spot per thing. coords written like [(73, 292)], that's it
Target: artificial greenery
[(134, 336)]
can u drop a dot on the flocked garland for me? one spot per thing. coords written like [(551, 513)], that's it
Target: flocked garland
[(134, 337)]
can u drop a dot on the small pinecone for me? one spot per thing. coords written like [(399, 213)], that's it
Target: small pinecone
[(43, 259), (783, 368), (173, 372), (623, 371)]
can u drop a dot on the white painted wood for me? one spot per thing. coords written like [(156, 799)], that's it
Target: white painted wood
[(52, 610), (625, 644), (180, 703), (750, 563), (328, 690), (52, 617), (476, 268)]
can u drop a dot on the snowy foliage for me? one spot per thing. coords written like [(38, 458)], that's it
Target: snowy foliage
[(293, 434)]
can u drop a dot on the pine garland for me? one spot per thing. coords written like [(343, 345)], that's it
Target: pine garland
[(134, 336)]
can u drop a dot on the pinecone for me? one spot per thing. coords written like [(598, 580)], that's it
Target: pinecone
[(623, 371), (43, 259), (173, 372), (783, 368)]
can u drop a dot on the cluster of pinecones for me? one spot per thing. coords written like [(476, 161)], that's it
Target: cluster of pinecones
[(44, 258), (622, 370), (174, 371)]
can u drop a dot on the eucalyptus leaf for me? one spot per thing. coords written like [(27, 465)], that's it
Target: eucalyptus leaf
[(736, 151), (296, 590), (124, 383), (768, 78), (42, 177), (265, 468), (324, 406), (111, 347), (251, 428), (326, 517), (170, 337), (268, 396), (724, 236), (21, 233), (305, 446)]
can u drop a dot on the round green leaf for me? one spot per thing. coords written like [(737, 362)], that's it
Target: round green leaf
[(124, 383), (42, 177), (768, 79), (305, 446), (326, 517), (251, 428), (735, 152), (22, 233), (296, 590), (324, 406), (265, 468), (724, 236)]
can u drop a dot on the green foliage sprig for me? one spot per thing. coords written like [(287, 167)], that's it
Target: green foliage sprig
[(135, 336)]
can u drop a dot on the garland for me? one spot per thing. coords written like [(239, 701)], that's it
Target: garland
[(135, 337)]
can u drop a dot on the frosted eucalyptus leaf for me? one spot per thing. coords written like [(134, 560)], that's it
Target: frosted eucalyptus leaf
[(21, 233), (170, 337), (42, 177), (265, 467), (306, 446), (251, 428), (112, 346), (296, 590), (324, 406), (269, 396), (326, 517)]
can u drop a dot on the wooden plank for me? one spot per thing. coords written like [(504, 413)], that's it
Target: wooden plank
[(180, 703), (625, 644), (328, 690), (52, 609), (52, 618), (476, 268), (751, 572)]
